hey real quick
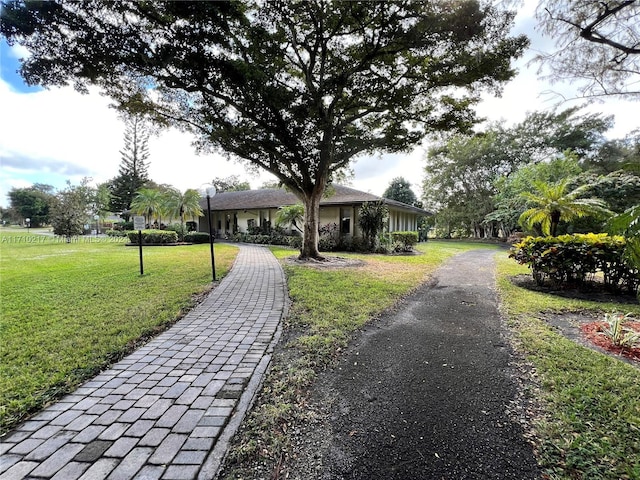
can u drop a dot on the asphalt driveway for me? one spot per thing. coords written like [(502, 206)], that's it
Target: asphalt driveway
[(424, 392)]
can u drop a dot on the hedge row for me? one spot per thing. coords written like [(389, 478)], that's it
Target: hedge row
[(196, 237), (274, 238), (576, 259), (157, 237)]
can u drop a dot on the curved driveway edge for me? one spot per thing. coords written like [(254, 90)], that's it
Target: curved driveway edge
[(168, 410)]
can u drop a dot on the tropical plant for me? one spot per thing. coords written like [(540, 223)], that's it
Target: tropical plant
[(575, 259), (553, 204), (148, 202), (628, 224), (291, 215), (178, 204), (371, 220), (616, 331)]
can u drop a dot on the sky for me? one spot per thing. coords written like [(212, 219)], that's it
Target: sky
[(57, 135)]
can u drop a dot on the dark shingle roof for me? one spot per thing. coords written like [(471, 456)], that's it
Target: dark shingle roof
[(276, 198)]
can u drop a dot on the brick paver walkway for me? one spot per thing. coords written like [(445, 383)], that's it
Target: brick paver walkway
[(168, 410)]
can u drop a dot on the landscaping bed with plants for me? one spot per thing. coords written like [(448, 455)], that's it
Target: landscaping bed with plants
[(616, 338), (587, 423)]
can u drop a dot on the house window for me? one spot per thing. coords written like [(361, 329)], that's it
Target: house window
[(345, 221)]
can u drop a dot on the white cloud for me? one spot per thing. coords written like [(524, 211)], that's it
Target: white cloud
[(18, 51), (55, 135)]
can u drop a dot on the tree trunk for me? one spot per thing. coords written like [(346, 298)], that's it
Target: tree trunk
[(555, 220), (311, 220)]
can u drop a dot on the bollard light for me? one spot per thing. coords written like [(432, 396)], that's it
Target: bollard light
[(210, 191)]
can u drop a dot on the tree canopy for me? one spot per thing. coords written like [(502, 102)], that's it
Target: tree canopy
[(32, 203), (232, 183), (296, 88), (474, 182), (72, 207), (400, 190), (596, 41)]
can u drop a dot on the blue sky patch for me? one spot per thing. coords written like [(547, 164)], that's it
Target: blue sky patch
[(9, 66)]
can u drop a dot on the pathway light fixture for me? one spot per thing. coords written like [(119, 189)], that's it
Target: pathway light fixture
[(209, 191)]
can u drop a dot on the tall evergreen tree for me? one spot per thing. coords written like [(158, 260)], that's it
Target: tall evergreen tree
[(132, 174)]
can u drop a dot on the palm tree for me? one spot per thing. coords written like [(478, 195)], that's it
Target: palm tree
[(147, 202), (553, 204), (291, 215), (180, 204), (372, 218)]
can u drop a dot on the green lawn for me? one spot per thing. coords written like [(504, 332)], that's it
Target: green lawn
[(590, 426), (70, 309)]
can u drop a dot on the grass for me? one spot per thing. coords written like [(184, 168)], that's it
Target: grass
[(69, 310), (328, 307), (590, 424)]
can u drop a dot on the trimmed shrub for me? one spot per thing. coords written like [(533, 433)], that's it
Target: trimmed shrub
[(116, 233), (123, 226), (180, 229), (575, 259), (295, 242), (404, 241), (197, 237), (275, 238), (160, 237)]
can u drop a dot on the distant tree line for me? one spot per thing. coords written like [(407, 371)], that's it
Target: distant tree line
[(479, 185)]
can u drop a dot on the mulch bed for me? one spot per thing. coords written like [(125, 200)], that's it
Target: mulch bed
[(328, 262), (593, 333), (586, 327), (593, 291)]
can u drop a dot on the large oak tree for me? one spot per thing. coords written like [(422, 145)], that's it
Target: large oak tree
[(298, 88)]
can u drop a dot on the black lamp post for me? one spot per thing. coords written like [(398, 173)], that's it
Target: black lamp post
[(28, 220), (210, 191)]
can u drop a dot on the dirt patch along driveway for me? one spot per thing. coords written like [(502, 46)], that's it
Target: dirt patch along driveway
[(424, 392)]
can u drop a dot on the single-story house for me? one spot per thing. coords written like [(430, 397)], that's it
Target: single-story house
[(233, 212)]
